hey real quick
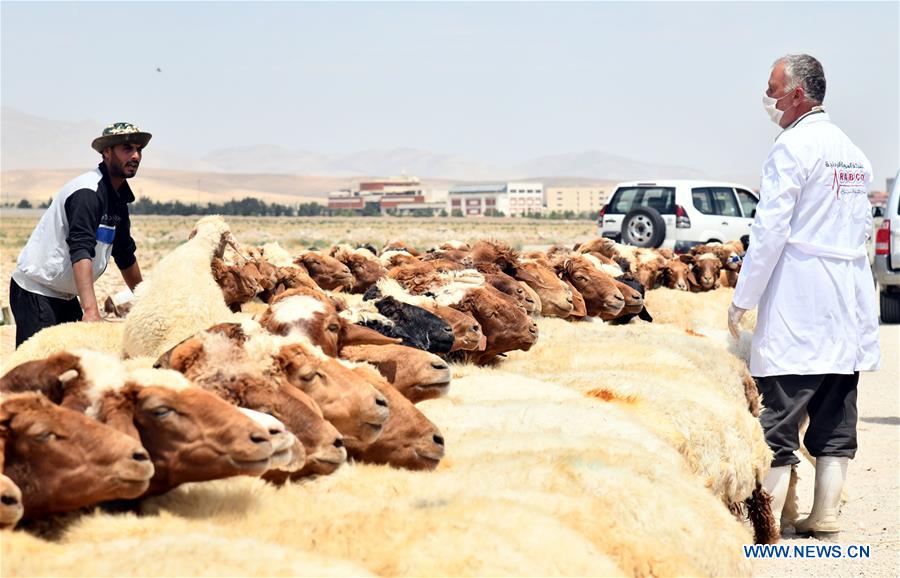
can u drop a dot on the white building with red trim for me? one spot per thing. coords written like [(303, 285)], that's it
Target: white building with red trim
[(510, 199)]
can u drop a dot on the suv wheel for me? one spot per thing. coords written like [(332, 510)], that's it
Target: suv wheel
[(890, 307), (644, 227)]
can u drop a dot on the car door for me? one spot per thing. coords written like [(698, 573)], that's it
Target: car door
[(730, 220), (748, 202)]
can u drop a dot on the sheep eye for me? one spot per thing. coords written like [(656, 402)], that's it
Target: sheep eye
[(333, 327), (160, 412), (309, 376), (45, 437)]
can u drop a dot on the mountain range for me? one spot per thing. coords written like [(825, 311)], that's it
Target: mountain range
[(29, 142)]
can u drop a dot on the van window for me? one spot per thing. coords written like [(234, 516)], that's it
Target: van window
[(748, 202), (701, 200), (627, 198)]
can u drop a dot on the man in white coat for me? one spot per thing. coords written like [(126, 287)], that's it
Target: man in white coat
[(807, 270)]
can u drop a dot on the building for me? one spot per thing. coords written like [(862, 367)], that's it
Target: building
[(346, 200), (525, 198), (392, 185), (509, 199), (423, 209), (433, 202), (479, 200), (577, 199), (395, 195)]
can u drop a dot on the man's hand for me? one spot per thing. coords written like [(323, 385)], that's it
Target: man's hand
[(734, 320), (91, 315)]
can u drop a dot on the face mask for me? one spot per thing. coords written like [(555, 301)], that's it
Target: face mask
[(770, 103)]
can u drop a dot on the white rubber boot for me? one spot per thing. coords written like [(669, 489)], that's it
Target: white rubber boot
[(822, 522), (776, 485), (791, 508)]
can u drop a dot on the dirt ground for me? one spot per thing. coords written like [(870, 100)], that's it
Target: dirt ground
[(871, 514)]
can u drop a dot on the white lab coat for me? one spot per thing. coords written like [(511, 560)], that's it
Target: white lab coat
[(807, 268)]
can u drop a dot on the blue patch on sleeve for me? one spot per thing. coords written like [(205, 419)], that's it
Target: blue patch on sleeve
[(106, 234)]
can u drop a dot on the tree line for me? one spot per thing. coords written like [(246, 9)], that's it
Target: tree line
[(253, 207)]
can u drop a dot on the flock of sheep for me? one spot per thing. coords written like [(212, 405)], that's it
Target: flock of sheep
[(261, 413)]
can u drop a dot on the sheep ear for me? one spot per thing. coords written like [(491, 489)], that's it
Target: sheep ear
[(117, 411), (692, 279), (389, 307), (5, 418), (183, 356), (67, 379), (526, 277), (689, 259), (665, 275), (292, 366), (219, 269), (388, 369), (352, 334)]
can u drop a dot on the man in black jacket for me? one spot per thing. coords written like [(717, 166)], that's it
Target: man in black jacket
[(86, 223)]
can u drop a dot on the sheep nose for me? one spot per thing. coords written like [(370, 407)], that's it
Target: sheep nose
[(439, 365), (569, 300), (9, 500), (259, 438), (381, 401), (140, 455), (338, 443), (438, 440)]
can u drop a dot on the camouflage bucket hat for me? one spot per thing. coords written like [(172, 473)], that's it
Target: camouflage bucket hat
[(120, 132)]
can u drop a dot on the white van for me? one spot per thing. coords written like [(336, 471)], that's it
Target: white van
[(677, 214)]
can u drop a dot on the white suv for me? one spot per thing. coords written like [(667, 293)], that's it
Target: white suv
[(678, 214)]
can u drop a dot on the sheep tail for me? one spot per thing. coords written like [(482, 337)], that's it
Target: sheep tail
[(759, 512)]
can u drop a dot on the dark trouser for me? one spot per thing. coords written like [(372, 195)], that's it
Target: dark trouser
[(34, 312), (830, 401)]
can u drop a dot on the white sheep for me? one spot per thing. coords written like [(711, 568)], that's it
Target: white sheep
[(698, 312), (567, 486), (277, 255), (189, 554), (104, 336), (700, 411), (180, 296)]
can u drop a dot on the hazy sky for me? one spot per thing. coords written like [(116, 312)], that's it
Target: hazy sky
[(676, 83)]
